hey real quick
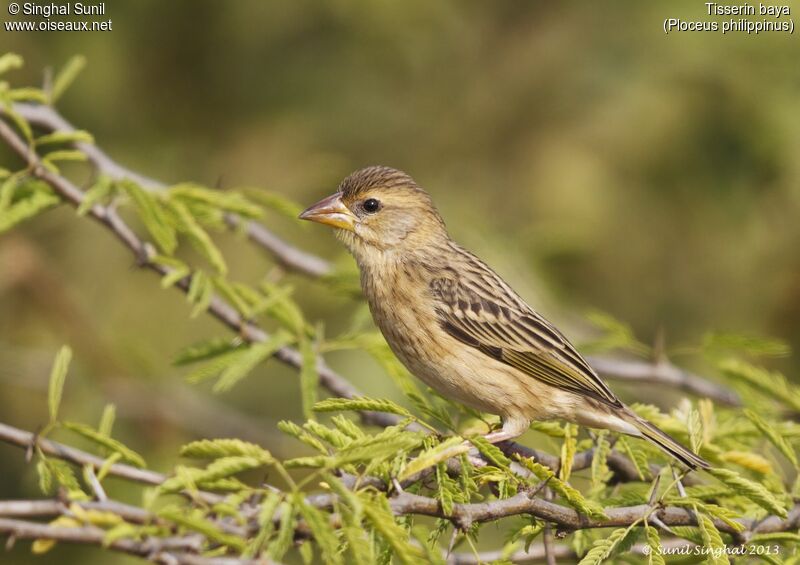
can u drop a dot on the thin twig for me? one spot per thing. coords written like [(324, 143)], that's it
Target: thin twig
[(182, 550), (547, 536), (23, 439)]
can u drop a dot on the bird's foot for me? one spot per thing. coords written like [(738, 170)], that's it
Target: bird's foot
[(499, 436), (511, 429)]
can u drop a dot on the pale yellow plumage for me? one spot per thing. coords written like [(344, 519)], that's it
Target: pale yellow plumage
[(457, 325)]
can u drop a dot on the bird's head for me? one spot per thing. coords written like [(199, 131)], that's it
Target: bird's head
[(379, 209)]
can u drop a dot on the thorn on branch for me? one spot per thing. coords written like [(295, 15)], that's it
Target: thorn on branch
[(34, 443)]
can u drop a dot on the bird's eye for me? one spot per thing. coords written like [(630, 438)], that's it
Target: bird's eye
[(371, 205)]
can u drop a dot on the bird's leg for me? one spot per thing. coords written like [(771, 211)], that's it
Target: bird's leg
[(512, 427)]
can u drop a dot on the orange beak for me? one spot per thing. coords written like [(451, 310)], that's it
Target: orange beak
[(331, 211)]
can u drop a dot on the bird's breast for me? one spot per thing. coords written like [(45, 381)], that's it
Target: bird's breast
[(405, 311)]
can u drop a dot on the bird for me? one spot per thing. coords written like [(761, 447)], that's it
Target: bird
[(458, 326)]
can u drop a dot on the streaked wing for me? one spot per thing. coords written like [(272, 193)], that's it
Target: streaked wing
[(478, 308)]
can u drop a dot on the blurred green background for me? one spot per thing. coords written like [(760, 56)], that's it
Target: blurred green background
[(593, 160)]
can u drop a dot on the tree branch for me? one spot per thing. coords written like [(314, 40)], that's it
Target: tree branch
[(179, 550), (26, 440), (663, 373), (567, 519), (47, 118), (218, 307)]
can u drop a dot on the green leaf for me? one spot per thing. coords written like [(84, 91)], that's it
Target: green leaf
[(266, 524), (198, 237), (201, 293), (216, 448), (121, 531), (27, 94), (20, 122), (564, 489), (490, 451), (361, 403), (749, 460), (65, 155), (773, 435), (216, 365), (309, 377), (107, 420), (249, 359), (321, 528), (101, 189), (65, 77), (387, 444), (754, 491), (447, 489), (724, 514), (283, 309), (618, 335), (712, 540), (637, 457), (229, 201), (603, 548), (568, 449), (74, 136), (347, 496), (770, 384), (283, 541), (332, 436), (152, 216), (375, 344), (312, 462), (63, 475), (107, 442), (296, 431), (358, 543), (205, 350), (600, 471), (222, 468), (377, 512), (449, 448), (347, 427), (196, 522), (26, 208), (45, 477), (8, 189), (175, 269), (775, 537), (719, 343), (10, 62), (232, 293), (694, 428), (654, 543), (552, 429), (275, 202), (58, 375)]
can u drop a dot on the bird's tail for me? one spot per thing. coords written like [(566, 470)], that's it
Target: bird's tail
[(653, 434)]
